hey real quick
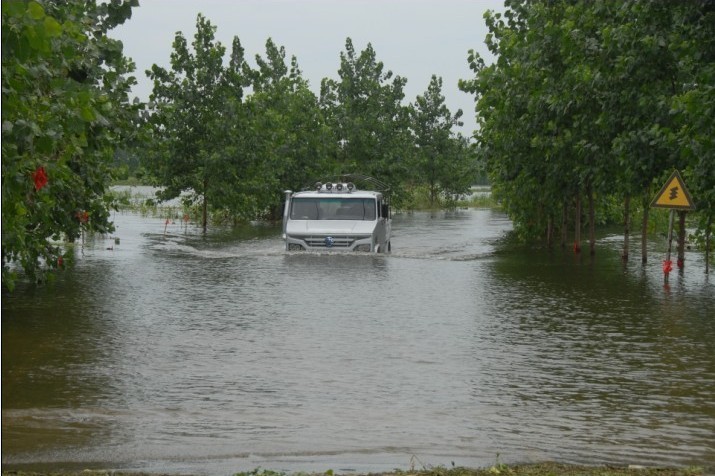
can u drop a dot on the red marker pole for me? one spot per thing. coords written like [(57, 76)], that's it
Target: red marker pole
[(668, 264)]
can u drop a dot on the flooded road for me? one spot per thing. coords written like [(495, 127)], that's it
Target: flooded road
[(175, 352)]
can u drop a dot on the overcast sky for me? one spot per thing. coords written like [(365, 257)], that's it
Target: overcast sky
[(413, 38)]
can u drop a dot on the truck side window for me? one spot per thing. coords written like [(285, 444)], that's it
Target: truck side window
[(304, 209)]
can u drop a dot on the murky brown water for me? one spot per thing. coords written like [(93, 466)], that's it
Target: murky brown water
[(213, 355)]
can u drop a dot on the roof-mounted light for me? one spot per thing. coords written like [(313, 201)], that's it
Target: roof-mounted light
[(328, 186), (351, 186), (318, 186), (339, 187)]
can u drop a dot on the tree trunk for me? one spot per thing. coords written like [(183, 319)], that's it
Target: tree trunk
[(577, 226), (644, 233), (204, 209), (626, 227), (707, 246), (550, 232), (204, 214), (591, 223), (564, 224), (432, 193), (681, 239)]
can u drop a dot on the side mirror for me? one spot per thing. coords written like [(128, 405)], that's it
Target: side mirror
[(385, 212)]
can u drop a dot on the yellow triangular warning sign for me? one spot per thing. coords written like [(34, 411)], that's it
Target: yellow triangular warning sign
[(674, 194)]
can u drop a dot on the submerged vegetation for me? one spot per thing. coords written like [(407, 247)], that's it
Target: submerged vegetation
[(500, 469)]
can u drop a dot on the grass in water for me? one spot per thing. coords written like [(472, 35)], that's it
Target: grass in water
[(499, 469)]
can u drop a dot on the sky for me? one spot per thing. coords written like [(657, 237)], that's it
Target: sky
[(413, 38)]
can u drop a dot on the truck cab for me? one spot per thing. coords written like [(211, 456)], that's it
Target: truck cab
[(336, 216)]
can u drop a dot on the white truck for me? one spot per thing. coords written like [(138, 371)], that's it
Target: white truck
[(337, 216)]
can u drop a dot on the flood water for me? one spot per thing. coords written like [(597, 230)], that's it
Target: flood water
[(176, 352)]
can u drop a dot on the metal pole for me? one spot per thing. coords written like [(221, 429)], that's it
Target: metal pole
[(668, 264)]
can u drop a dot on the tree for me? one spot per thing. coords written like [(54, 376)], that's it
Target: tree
[(439, 159), (525, 136), (694, 110), (288, 133), (197, 117), (64, 110), (594, 100), (460, 170), (369, 122), (642, 79)]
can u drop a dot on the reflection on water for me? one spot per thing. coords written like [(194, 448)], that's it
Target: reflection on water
[(178, 352)]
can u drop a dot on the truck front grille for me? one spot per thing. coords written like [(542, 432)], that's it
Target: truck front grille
[(322, 241)]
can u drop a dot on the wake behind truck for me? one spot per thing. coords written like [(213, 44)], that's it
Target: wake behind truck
[(337, 216)]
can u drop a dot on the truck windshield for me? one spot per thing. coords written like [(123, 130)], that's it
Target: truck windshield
[(333, 208)]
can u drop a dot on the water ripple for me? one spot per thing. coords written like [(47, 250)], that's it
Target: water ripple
[(180, 352)]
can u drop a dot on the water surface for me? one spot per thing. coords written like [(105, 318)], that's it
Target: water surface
[(175, 352)]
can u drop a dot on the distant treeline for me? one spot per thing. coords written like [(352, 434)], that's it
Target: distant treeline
[(590, 106)]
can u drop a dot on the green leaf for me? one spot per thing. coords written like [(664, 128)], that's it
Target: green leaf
[(35, 11), (52, 27), (44, 125), (87, 114), (20, 209)]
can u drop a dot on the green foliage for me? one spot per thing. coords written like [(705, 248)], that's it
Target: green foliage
[(234, 155), (370, 125), (197, 119), (64, 110), (68, 128), (288, 134), (260, 472), (440, 159), (595, 99)]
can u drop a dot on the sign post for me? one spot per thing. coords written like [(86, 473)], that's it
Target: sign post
[(675, 196)]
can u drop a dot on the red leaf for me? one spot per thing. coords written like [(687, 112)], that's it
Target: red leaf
[(82, 216), (39, 176), (667, 266)]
